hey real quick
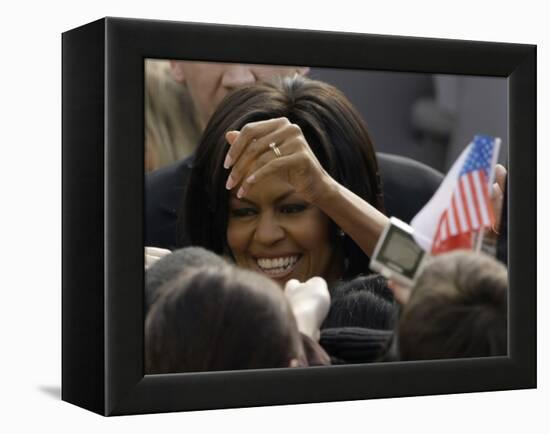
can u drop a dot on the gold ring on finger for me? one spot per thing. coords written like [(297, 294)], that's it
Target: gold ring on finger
[(275, 149)]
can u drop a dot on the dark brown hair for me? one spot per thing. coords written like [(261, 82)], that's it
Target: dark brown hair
[(333, 129), (222, 318), (175, 263), (458, 308), (365, 301)]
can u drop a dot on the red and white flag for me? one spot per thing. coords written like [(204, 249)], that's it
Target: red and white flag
[(461, 207)]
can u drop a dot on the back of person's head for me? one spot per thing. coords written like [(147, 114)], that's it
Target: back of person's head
[(169, 266), (221, 319), (457, 308), (365, 301), (334, 130)]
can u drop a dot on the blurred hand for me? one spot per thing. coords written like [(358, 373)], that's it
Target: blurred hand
[(310, 303), (401, 292), (497, 195), (153, 254)]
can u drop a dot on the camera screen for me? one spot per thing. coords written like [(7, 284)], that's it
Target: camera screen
[(400, 252)]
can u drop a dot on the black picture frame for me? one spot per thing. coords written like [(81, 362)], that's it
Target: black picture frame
[(102, 294)]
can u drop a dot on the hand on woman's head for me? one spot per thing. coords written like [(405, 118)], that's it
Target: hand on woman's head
[(275, 228), (291, 147), (273, 147)]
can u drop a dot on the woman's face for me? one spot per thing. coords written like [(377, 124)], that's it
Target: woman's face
[(274, 231)]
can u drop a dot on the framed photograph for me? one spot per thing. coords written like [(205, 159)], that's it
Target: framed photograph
[(141, 97)]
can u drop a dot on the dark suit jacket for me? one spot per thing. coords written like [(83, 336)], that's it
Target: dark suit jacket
[(164, 195)]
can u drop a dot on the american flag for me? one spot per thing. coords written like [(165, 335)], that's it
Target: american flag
[(470, 207), (462, 206)]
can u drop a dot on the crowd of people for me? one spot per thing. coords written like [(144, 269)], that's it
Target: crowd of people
[(259, 238)]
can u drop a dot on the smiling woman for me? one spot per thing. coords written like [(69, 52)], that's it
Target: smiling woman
[(276, 232), (285, 181)]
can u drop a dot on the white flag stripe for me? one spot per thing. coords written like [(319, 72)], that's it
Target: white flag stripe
[(462, 200), (475, 199), (452, 223), (481, 199), (470, 208), (460, 211), (447, 226)]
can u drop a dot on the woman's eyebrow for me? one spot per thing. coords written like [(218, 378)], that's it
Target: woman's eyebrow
[(284, 196), (242, 199), (280, 198)]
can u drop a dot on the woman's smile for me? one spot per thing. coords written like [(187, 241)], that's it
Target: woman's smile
[(274, 231), (278, 267)]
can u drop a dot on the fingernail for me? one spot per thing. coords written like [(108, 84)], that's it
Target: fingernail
[(251, 179), (240, 193), (231, 136), (228, 161), (230, 183)]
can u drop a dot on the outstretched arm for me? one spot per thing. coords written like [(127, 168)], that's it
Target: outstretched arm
[(355, 216)]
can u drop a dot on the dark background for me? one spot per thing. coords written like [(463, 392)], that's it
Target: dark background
[(428, 117)]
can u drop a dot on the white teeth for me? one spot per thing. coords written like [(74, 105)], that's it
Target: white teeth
[(277, 264)]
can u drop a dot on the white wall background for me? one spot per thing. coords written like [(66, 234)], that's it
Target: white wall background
[(30, 332)]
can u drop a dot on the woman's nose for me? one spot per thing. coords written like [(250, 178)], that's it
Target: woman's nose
[(237, 76), (268, 231)]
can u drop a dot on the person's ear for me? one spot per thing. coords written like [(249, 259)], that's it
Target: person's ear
[(176, 68)]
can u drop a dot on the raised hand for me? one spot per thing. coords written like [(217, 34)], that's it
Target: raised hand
[(273, 147), (497, 194), (153, 254)]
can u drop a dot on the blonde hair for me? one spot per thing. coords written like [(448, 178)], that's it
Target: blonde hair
[(171, 129)]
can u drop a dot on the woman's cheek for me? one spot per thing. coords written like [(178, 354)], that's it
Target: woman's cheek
[(314, 230), (237, 238)]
